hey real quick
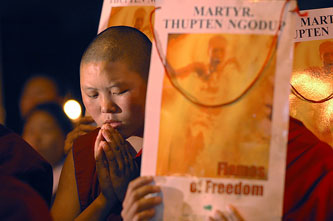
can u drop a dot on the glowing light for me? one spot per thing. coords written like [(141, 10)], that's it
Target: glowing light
[(329, 111), (311, 87), (72, 109)]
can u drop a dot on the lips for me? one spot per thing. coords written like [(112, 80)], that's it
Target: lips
[(113, 123)]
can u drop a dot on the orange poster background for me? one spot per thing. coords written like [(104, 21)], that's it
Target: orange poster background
[(134, 16), (194, 140)]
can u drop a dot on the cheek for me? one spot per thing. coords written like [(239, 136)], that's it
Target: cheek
[(137, 108), (91, 106), (49, 139), (55, 139), (59, 140)]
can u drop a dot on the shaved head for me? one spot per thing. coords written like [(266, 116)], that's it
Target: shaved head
[(121, 43)]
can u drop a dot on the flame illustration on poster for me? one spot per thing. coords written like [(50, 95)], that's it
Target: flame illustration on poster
[(217, 107), (312, 76), (130, 13)]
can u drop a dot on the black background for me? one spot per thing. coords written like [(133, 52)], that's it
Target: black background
[(43, 36)]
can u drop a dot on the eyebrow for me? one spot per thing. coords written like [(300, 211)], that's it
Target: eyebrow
[(117, 84), (89, 88)]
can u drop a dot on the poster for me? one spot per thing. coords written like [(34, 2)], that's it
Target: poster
[(217, 107), (134, 13), (312, 72)]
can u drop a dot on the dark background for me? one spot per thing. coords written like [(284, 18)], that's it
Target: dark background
[(41, 36)]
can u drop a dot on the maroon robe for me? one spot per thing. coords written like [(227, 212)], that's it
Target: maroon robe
[(309, 176), (85, 173), (18, 201), (19, 160)]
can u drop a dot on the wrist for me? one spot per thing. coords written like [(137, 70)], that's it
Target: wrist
[(104, 202), (99, 209)]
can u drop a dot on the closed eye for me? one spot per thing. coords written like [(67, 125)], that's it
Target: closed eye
[(92, 95), (120, 92)]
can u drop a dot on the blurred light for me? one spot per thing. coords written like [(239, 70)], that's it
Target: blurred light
[(310, 86), (72, 109)]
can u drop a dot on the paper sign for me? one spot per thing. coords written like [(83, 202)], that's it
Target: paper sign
[(313, 72), (217, 107)]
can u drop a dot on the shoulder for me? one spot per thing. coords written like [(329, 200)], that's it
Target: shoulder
[(302, 143), (309, 175)]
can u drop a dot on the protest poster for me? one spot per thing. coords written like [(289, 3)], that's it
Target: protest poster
[(133, 13), (312, 88), (217, 107)]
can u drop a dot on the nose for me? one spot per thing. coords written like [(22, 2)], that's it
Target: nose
[(108, 106)]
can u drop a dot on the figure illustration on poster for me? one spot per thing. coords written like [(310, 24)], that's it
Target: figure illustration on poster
[(203, 143)]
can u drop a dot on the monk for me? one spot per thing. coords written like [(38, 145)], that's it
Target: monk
[(113, 79)]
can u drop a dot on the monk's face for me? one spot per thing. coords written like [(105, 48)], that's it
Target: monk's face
[(115, 95), (37, 91), (45, 135)]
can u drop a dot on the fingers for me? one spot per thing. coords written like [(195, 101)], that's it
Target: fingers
[(221, 216), (98, 140), (128, 156), (102, 166), (139, 189), (139, 182), (218, 216), (140, 199), (144, 208), (84, 125), (144, 215), (115, 135), (136, 191), (123, 159), (82, 128), (116, 143), (230, 214), (101, 160), (236, 213), (137, 206)]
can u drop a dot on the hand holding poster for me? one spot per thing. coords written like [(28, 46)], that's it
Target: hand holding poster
[(217, 107)]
